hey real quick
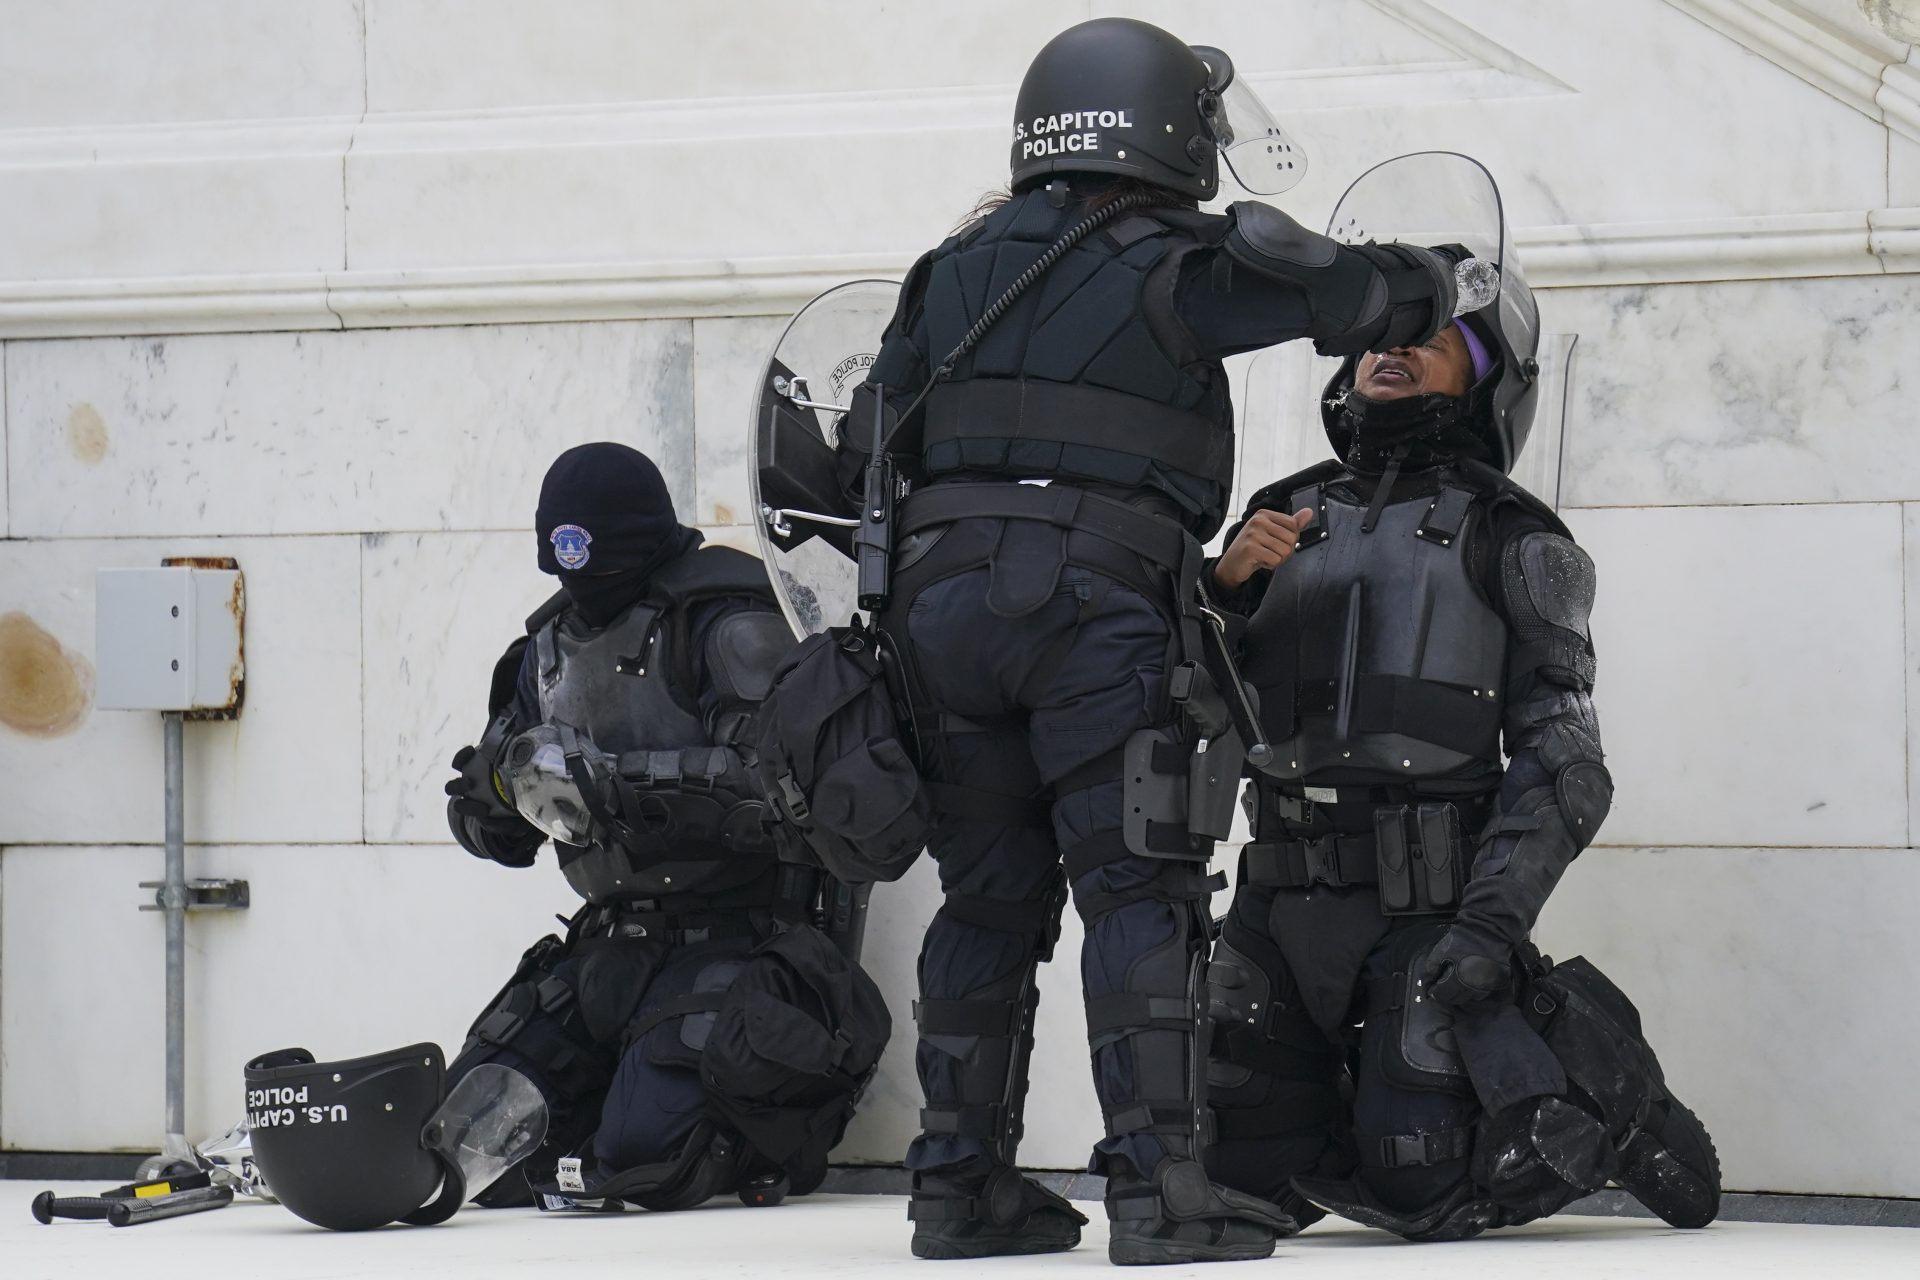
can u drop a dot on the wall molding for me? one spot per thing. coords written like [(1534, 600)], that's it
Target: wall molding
[(1781, 247), (1862, 67), (1478, 68)]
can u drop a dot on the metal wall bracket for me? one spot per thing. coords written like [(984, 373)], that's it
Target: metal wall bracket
[(203, 895)]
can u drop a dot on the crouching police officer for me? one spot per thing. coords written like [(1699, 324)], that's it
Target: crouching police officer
[(1076, 442), (617, 728), (1408, 605)]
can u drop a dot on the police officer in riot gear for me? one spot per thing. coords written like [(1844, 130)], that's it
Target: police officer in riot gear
[(1408, 605), (1064, 465), (618, 724)]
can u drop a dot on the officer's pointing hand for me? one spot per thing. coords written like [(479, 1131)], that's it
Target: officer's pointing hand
[(1265, 541)]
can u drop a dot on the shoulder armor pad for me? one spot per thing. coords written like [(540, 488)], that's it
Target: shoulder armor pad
[(708, 572), (555, 605), (1273, 496), (1557, 577), (743, 649)]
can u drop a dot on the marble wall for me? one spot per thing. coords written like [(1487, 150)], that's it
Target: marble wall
[(324, 285)]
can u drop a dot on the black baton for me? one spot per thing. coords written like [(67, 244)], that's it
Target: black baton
[(131, 1213)]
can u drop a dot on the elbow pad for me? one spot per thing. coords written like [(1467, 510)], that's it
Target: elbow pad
[(1364, 297)]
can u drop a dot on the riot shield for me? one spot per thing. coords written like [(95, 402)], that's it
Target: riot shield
[(1427, 198), (802, 518)]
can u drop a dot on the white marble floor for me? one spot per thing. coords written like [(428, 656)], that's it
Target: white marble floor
[(840, 1236)]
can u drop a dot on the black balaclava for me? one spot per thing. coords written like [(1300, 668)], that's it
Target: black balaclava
[(606, 524)]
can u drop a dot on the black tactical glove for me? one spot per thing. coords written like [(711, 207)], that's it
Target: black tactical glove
[(1421, 294), (511, 842), (479, 791), (1469, 965)]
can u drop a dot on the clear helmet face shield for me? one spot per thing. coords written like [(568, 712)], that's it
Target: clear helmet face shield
[(1427, 198), (543, 785), (806, 386), (1443, 197), (494, 1118), (1263, 157)]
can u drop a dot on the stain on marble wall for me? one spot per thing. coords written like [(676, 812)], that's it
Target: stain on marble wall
[(46, 689), (87, 433)]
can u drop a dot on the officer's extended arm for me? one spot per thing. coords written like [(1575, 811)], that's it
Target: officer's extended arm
[(1271, 280), (1556, 791), (479, 811)]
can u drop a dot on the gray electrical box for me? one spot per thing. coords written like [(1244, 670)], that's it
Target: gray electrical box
[(170, 639)]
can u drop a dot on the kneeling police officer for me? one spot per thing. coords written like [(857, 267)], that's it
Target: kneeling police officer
[(1408, 605), (618, 728)]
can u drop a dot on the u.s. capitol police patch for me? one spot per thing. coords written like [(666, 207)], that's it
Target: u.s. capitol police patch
[(570, 545)]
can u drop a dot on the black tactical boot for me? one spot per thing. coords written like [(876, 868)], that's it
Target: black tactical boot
[(1008, 1214), (1179, 1216), (1670, 1166)]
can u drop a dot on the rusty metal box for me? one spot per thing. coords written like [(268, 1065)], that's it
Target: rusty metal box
[(169, 639)]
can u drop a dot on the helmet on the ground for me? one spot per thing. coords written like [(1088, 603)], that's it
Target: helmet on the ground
[(358, 1144)]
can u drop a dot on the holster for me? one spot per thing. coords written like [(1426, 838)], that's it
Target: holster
[(1421, 857)]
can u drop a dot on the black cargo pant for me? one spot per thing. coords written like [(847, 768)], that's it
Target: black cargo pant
[(562, 1021), (1019, 707), (1297, 1090)]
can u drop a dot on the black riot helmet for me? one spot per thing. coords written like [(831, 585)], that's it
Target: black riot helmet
[(1120, 96), (1443, 197), (358, 1144), (340, 1142)]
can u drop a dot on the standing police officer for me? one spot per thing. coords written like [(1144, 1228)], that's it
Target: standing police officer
[(1067, 463), (1398, 863), (617, 726)]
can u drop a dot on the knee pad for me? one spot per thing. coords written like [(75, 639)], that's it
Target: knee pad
[(1535, 1158), (1422, 1052), (1239, 1002)]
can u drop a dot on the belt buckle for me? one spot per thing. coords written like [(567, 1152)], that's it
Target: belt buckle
[(1323, 861)]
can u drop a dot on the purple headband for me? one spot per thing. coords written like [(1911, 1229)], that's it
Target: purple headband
[(1476, 350)]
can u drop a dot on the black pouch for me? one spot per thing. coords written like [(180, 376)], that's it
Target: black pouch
[(1420, 854), (792, 1046), (834, 762)]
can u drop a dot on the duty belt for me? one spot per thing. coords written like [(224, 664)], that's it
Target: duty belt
[(1333, 860), (675, 923), (1153, 538), (1317, 803)]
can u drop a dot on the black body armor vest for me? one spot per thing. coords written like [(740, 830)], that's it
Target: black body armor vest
[(1089, 376), (692, 819), (1377, 656)]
